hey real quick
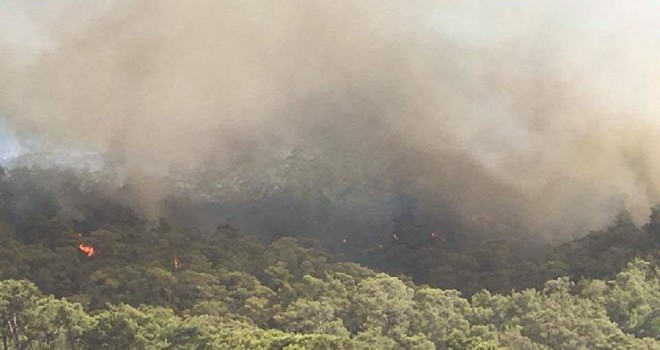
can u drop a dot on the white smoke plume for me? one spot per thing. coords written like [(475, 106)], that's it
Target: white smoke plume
[(556, 101)]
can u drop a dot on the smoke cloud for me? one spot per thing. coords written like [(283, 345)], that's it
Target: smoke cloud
[(542, 111)]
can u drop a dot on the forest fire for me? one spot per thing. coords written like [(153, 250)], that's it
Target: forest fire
[(86, 249)]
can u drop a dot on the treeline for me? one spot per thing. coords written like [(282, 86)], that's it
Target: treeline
[(149, 285), (505, 264), (297, 300), (42, 206)]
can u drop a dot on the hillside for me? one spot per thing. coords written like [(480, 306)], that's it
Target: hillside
[(106, 279)]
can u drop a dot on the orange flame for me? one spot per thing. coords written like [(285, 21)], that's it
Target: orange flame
[(86, 249)]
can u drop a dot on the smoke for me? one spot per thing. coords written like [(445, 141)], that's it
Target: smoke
[(540, 110)]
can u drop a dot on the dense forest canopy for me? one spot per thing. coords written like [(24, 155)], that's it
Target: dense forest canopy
[(81, 269)]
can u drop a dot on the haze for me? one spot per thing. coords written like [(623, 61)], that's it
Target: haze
[(543, 112)]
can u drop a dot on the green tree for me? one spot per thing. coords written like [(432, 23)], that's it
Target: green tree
[(310, 316), (31, 320), (383, 304), (125, 327)]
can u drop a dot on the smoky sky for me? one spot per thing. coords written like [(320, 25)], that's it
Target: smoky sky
[(545, 110)]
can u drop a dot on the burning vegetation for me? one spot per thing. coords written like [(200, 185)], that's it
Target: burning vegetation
[(87, 249)]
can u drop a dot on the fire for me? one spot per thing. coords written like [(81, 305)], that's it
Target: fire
[(86, 249), (176, 263)]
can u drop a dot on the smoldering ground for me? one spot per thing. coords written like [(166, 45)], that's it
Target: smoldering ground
[(541, 113)]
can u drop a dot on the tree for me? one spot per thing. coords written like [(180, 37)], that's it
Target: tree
[(125, 327), (383, 304), (441, 315), (30, 319), (310, 316), (66, 324), (653, 227), (19, 301)]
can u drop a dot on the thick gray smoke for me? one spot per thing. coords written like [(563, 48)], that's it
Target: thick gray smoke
[(542, 110)]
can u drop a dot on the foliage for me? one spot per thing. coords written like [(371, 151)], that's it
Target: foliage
[(150, 285)]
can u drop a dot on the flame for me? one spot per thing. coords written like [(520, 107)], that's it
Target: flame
[(176, 263), (86, 249)]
